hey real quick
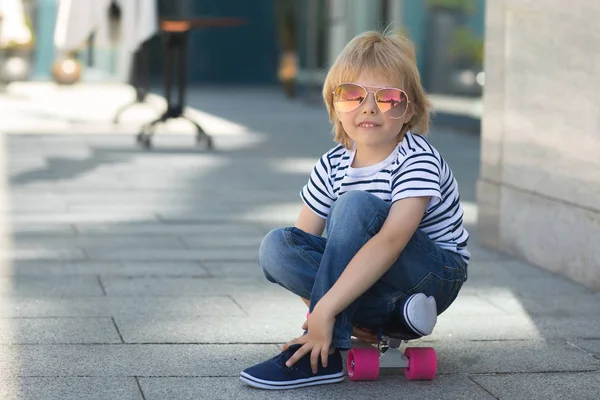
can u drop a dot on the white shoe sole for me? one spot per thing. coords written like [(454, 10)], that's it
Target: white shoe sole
[(420, 313), (275, 385)]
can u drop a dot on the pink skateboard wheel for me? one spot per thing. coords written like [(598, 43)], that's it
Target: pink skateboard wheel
[(363, 364), (422, 363)]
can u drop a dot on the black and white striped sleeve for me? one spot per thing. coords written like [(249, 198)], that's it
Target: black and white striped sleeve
[(418, 175), (317, 194)]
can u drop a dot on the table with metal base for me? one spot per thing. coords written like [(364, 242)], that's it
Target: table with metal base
[(175, 34)]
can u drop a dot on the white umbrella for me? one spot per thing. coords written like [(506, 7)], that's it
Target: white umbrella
[(77, 19), (139, 22), (13, 29)]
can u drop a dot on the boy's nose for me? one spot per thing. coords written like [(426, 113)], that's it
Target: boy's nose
[(370, 104)]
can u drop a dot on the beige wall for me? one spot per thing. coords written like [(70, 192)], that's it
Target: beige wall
[(539, 186)]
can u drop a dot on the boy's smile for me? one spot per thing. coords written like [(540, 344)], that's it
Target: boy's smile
[(368, 125)]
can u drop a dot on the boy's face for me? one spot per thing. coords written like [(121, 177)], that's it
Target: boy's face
[(367, 126)]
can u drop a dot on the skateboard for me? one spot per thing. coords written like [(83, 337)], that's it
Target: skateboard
[(365, 360)]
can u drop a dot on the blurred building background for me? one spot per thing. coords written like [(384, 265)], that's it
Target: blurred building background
[(282, 40)]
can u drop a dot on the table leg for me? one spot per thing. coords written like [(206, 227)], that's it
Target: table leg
[(175, 46)]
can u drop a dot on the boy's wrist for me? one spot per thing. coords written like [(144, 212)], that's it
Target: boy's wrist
[(325, 308)]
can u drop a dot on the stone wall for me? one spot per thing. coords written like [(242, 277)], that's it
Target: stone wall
[(539, 185)]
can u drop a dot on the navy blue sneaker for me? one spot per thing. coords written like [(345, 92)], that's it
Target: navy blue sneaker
[(274, 374)]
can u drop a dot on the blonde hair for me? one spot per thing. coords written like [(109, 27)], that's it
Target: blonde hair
[(393, 57)]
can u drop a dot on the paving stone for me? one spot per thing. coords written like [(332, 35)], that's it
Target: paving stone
[(467, 305), (242, 269), (271, 303), (590, 345), (508, 268), (509, 356), (511, 327), (521, 282), (36, 206), (57, 330), (50, 286), (138, 207), (40, 253), (387, 387), (128, 307), (106, 268), (150, 254), (74, 218), (229, 241), (125, 360), (548, 386), (97, 197), (100, 242), (167, 329), (69, 388), (537, 303), (51, 182), (161, 228), (17, 228), (135, 286)]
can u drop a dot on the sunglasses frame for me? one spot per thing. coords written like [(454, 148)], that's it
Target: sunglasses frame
[(374, 96)]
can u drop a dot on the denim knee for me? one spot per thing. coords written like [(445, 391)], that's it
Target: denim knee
[(354, 211), (271, 251)]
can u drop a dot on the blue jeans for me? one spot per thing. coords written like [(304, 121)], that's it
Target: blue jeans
[(309, 265)]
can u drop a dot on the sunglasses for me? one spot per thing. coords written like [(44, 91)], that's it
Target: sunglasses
[(390, 101)]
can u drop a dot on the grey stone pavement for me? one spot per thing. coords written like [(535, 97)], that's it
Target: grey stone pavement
[(131, 274)]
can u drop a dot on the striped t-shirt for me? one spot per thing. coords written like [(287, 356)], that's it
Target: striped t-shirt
[(414, 169)]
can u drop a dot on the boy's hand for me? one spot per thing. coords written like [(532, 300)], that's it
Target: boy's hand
[(316, 341)]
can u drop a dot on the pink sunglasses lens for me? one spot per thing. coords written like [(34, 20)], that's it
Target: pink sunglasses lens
[(392, 101), (348, 97)]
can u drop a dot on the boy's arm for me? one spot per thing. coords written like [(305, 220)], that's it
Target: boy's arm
[(376, 256), (310, 222)]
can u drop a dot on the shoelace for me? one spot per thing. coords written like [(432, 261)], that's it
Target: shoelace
[(283, 357)]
